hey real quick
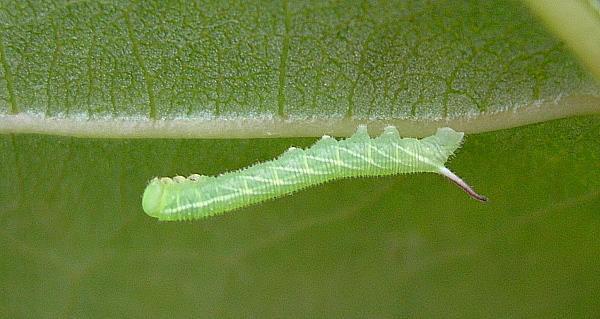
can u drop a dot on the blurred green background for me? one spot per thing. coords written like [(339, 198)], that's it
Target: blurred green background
[(75, 242)]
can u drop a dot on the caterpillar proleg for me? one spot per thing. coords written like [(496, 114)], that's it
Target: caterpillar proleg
[(198, 196)]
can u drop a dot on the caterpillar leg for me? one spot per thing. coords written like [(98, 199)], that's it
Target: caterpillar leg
[(458, 181)]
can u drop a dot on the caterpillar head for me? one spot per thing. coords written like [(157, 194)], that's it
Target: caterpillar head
[(159, 193), (153, 199)]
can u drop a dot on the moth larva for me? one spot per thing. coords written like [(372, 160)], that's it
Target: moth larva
[(198, 196)]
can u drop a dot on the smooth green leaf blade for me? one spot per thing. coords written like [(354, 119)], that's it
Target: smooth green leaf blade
[(75, 242), (279, 68)]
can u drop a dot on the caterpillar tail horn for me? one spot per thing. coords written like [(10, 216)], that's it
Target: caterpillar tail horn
[(458, 181)]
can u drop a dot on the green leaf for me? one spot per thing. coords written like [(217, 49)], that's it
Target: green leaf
[(576, 22), (279, 68), (74, 241)]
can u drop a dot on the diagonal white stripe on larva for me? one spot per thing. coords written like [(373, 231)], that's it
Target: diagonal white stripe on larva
[(204, 203), (335, 163), (359, 156), (328, 159), (300, 171), (418, 157), (266, 180)]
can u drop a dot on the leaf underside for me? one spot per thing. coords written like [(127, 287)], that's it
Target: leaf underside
[(220, 63)]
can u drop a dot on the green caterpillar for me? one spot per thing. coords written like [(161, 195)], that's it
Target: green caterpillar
[(198, 196)]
